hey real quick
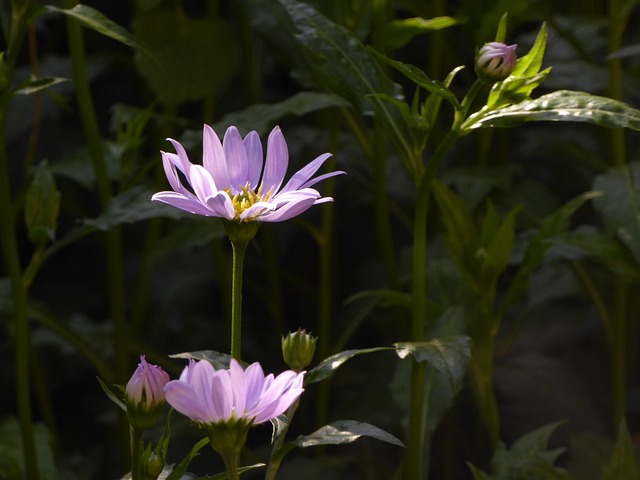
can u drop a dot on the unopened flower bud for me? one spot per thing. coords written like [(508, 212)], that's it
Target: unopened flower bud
[(298, 349), (495, 61), (145, 394), (152, 466)]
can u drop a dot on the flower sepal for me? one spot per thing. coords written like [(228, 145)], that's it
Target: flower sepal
[(228, 437), (298, 349), (240, 232)]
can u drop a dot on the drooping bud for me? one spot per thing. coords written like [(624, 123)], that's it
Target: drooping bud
[(298, 349), (145, 394), (495, 61)]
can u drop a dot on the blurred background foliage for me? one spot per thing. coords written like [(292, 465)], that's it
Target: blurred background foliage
[(111, 275)]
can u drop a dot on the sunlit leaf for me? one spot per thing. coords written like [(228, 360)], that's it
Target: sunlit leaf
[(448, 354), (35, 84), (562, 106), (344, 431), (328, 366), (93, 19), (218, 360), (398, 32)]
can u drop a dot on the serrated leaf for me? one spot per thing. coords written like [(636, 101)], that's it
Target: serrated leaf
[(624, 461), (329, 365), (552, 226), (562, 106), (218, 360), (35, 84), (449, 355), (397, 33), (93, 19), (344, 431), (132, 206), (619, 205), (196, 60), (262, 117)]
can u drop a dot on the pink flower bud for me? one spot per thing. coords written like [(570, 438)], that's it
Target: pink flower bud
[(145, 388), (495, 61)]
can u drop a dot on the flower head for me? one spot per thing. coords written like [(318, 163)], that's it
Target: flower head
[(495, 61), (298, 349), (209, 396), (145, 394), (234, 183)]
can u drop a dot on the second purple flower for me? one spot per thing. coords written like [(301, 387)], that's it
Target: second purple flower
[(234, 183)]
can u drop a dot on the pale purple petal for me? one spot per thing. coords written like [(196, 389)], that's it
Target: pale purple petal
[(313, 181), (238, 380), (276, 163), (304, 174), (202, 183), (258, 209), (289, 210), (177, 200), (182, 161), (169, 166), (253, 146), (182, 398), (254, 377), (222, 398), (213, 157), (221, 205), (237, 163)]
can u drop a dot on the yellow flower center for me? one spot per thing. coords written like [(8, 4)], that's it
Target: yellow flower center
[(245, 199)]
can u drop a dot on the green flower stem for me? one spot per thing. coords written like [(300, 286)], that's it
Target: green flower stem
[(136, 449), (9, 245), (240, 234), (113, 238), (239, 249), (414, 466), (620, 317), (231, 460)]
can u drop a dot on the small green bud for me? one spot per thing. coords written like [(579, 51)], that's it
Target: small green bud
[(152, 466), (298, 349)]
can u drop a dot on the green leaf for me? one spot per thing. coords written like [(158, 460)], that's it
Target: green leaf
[(42, 205), (329, 365), (12, 462), (119, 403), (35, 84), (262, 117), (397, 33), (531, 63), (133, 206), (93, 19), (501, 32), (527, 459), (344, 431), (449, 355), (334, 60), (179, 470), (561, 106), (196, 60), (553, 225), (218, 360), (624, 460), (620, 205), (498, 242), (420, 78)]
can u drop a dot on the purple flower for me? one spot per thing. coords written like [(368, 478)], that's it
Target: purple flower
[(495, 61), (233, 184), (212, 397), (145, 388)]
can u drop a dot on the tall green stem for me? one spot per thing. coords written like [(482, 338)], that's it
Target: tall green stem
[(9, 246), (617, 21), (239, 249), (240, 234), (113, 238), (414, 466), (136, 444)]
